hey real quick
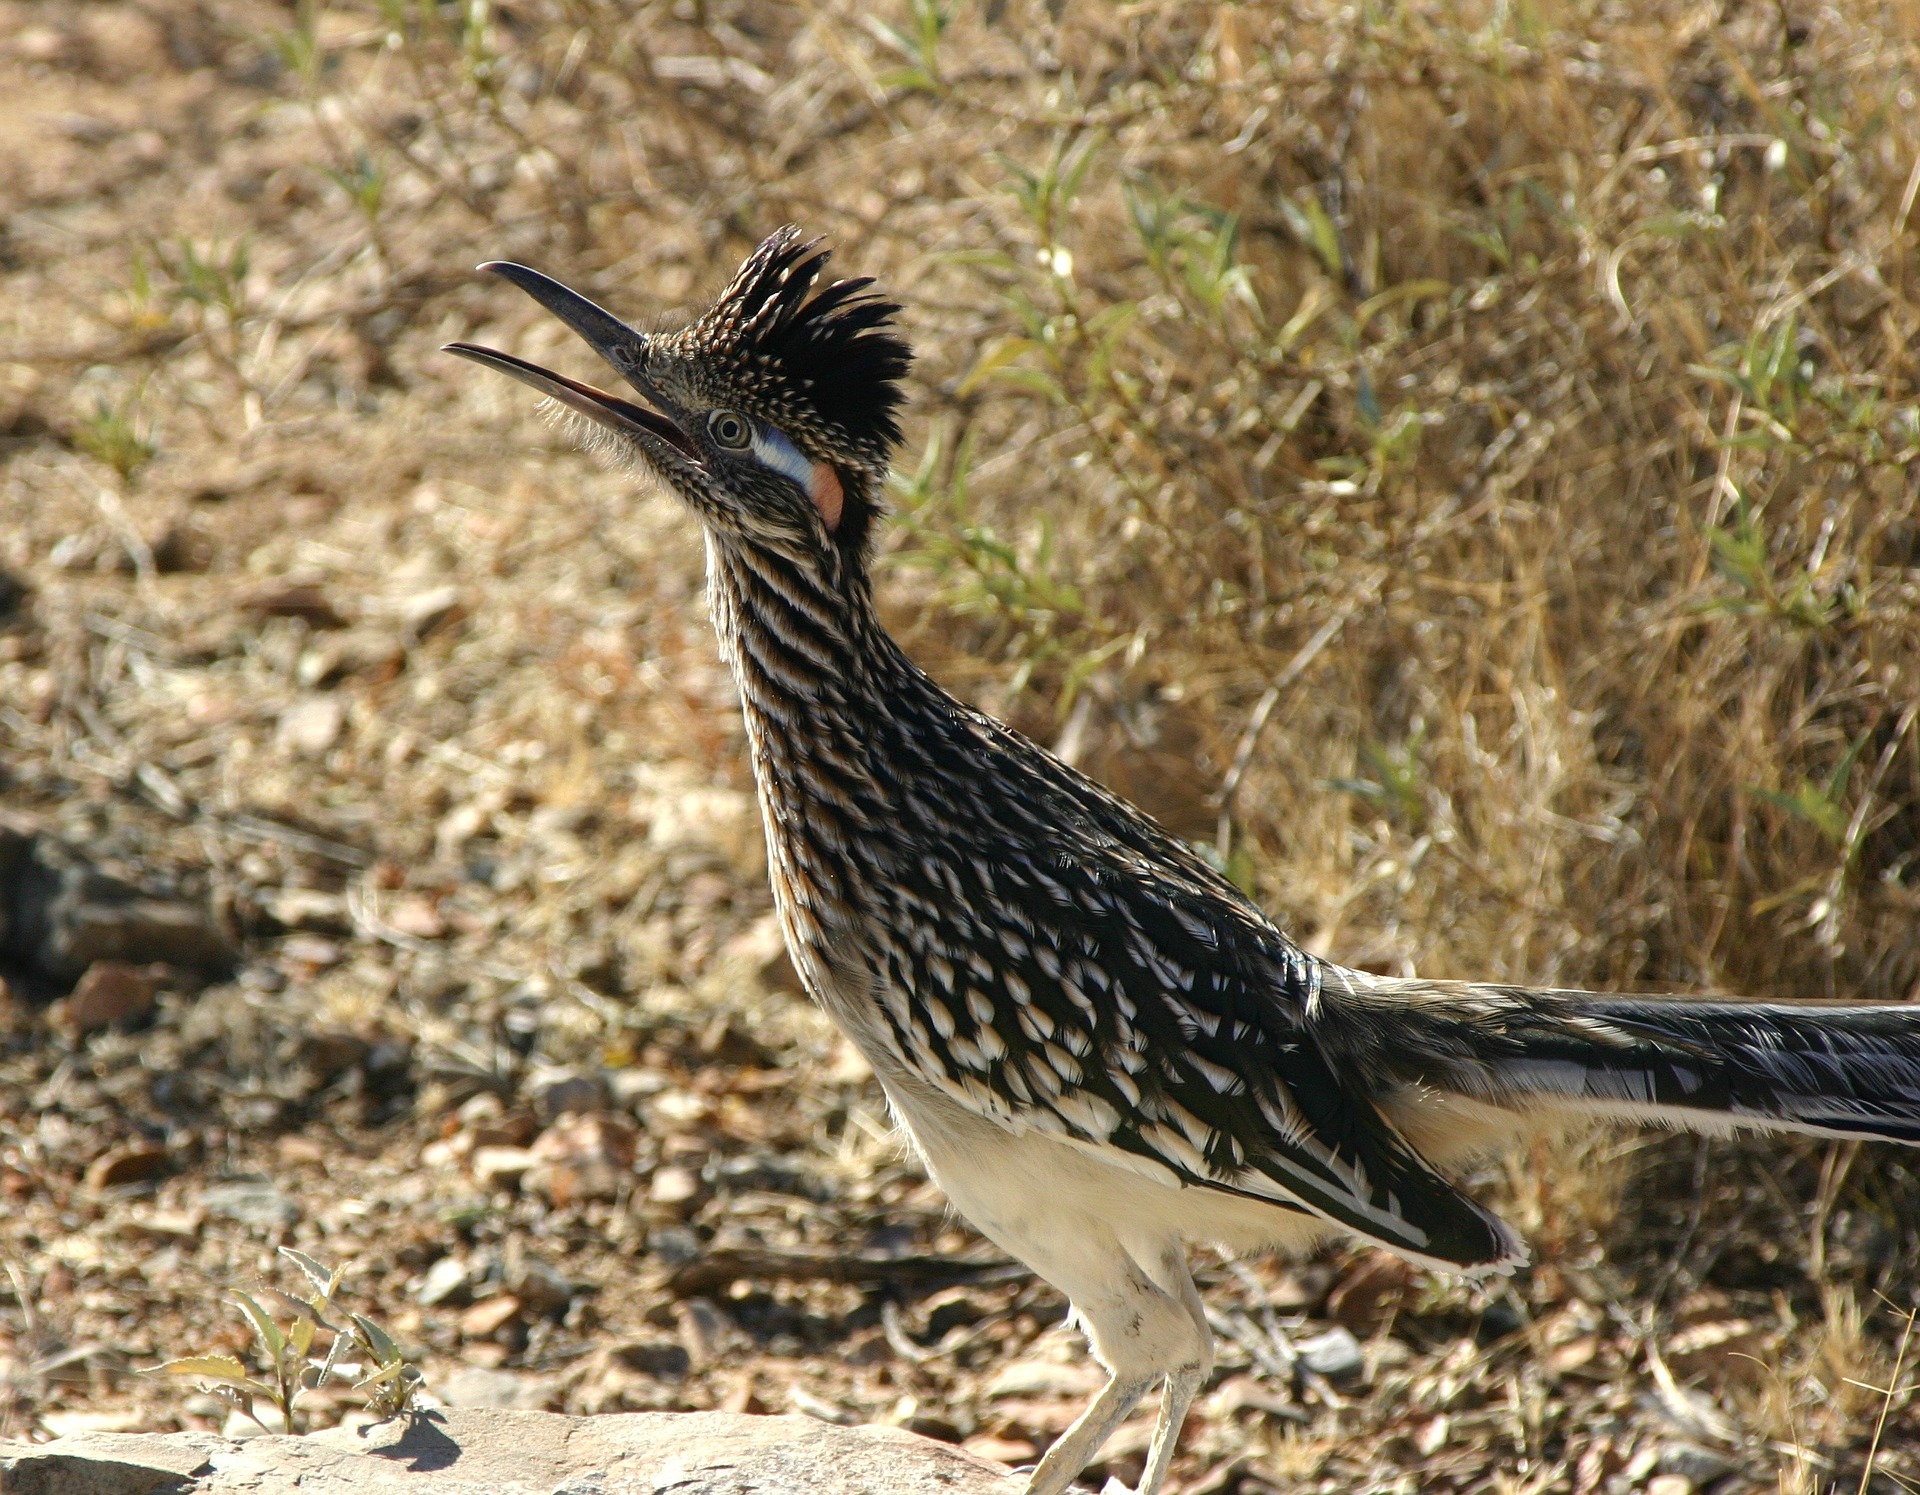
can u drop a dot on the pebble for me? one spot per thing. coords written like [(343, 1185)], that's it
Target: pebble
[(499, 1167), (297, 600), (126, 1165), (244, 1425), (111, 992), (477, 1386), (250, 1201), (77, 1424), (1009, 1451), (310, 909), (1367, 1294), (311, 725), (423, 612), (1335, 1354), (1693, 1461), (673, 1185), (558, 1092), (443, 1281), (417, 918), (583, 1157), (539, 1287), (489, 1316), (1046, 1378)]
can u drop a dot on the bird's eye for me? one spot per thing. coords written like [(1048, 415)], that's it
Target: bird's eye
[(728, 429)]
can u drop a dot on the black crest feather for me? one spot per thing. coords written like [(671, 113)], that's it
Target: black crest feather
[(835, 350)]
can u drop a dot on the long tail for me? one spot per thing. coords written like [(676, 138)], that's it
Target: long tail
[(1828, 1069)]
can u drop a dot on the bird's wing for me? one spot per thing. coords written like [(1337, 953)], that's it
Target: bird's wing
[(1120, 995)]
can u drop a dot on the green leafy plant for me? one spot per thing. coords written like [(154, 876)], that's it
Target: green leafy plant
[(1191, 245), (1820, 803), (983, 571), (918, 43), (283, 1343), (299, 45), (365, 182), (1397, 784), (213, 276), (116, 435), (1741, 554)]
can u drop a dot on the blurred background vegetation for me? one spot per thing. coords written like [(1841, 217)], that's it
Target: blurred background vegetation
[(1457, 462)]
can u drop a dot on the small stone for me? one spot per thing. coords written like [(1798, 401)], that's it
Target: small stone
[(1046, 1378), (250, 1201), (583, 1157), (556, 1092), (311, 725), (165, 1225), (1575, 1353), (427, 611), (265, 1418), (310, 950), (501, 1167), (1335, 1354), (417, 918), (126, 1165), (1694, 1462), (477, 1386), (1431, 1436), (445, 1281), (74, 1424), (304, 601), (1367, 1294), (673, 1185), (310, 909), (489, 1316), (110, 993), (40, 44), (1669, 1484), (539, 1287), (630, 1087), (1010, 1451)]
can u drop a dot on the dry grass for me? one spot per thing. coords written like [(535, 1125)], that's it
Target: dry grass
[(1459, 461)]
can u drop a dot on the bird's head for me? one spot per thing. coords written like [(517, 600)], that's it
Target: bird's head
[(772, 414)]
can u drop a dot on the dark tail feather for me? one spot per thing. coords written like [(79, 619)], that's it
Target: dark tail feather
[(1836, 1071), (1831, 1070)]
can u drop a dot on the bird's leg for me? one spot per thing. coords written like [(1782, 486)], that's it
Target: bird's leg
[(1182, 1386), (1075, 1448)]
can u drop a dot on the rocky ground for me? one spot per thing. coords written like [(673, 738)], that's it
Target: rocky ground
[(379, 872)]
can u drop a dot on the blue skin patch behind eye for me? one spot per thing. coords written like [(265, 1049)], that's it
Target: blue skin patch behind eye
[(775, 451)]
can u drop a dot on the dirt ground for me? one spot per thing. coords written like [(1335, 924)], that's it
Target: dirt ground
[(1457, 463)]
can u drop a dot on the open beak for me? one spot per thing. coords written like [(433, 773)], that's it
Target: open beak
[(606, 334)]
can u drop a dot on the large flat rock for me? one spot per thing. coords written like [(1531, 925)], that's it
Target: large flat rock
[(474, 1451)]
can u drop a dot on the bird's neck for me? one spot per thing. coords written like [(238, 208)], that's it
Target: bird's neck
[(819, 677), (822, 686), (804, 644)]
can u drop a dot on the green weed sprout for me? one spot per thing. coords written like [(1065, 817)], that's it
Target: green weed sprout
[(283, 1342)]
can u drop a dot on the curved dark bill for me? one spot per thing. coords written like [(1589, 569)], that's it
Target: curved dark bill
[(616, 414), (605, 333)]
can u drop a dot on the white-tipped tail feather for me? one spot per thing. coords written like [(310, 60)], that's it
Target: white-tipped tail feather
[(1827, 1069)]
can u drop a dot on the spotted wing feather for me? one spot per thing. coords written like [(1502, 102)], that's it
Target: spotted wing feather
[(1118, 992)]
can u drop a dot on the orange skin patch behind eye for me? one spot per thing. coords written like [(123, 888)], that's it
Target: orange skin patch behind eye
[(827, 494)]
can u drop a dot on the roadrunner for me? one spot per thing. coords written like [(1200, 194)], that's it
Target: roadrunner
[(1099, 1047)]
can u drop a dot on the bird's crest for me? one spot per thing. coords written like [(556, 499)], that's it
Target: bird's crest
[(829, 356)]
